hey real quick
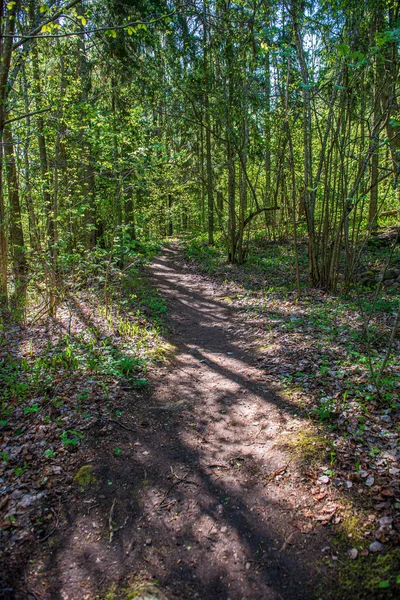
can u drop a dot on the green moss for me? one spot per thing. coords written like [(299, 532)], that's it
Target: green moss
[(85, 477), (308, 445), (163, 352), (136, 591), (373, 576), (145, 592), (351, 529), (110, 595)]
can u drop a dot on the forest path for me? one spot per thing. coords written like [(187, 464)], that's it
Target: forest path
[(203, 499)]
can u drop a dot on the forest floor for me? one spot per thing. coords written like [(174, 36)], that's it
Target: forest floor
[(211, 482)]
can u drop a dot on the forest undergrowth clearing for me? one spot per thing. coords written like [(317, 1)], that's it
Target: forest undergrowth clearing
[(60, 378)]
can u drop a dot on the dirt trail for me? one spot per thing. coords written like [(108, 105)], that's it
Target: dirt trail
[(203, 499)]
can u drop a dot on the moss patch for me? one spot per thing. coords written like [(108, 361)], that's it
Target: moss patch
[(163, 352), (85, 477), (374, 576), (308, 445), (143, 591)]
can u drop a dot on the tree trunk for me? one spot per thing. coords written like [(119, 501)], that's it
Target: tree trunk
[(210, 195), (3, 245), (309, 192), (18, 252)]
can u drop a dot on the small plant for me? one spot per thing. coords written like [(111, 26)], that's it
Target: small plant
[(117, 451), (31, 409), (18, 471), (126, 365), (141, 383), (324, 368), (57, 403), (325, 410), (50, 453), (71, 438)]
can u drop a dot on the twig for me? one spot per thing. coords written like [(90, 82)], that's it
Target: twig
[(274, 474), (92, 507), (179, 480), (168, 491), (255, 437), (46, 537), (286, 541), (183, 480), (111, 528), (122, 425), (37, 316), (110, 517)]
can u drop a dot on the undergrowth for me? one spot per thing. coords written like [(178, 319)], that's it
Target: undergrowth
[(107, 328)]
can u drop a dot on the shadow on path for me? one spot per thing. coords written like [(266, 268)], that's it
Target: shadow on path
[(202, 498)]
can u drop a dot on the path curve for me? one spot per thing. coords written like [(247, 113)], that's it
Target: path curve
[(244, 527), (202, 497)]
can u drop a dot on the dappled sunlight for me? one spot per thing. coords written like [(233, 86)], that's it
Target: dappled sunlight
[(189, 500), (193, 487)]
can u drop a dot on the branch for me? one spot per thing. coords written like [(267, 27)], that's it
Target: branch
[(258, 212), (31, 114), (35, 32)]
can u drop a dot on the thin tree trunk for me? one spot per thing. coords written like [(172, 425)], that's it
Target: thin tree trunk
[(18, 252), (3, 244), (309, 192), (210, 195)]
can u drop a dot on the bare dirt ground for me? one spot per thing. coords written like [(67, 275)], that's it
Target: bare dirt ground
[(202, 498)]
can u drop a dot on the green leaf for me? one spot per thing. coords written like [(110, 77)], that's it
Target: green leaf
[(11, 5), (31, 409), (384, 585), (43, 8), (343, 49), (398, 580)]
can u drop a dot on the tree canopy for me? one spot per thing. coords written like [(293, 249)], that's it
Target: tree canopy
[(123, 121)]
